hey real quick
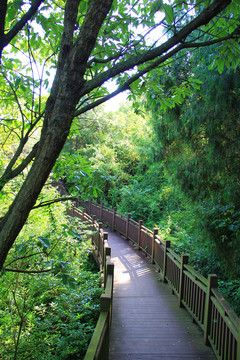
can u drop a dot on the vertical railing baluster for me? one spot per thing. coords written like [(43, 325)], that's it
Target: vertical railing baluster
[(83, 214), (155, 233), (113, 218), (139, 233), (212, 283), (105, 238), (184, 261), (93, 228), (101, 212), (167, 245), (127, 225), (100, 226)]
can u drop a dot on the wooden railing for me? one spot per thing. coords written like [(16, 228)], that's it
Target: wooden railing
[(99, 344), (208, 308)]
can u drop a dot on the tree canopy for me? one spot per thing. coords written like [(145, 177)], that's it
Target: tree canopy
[(87, 44)]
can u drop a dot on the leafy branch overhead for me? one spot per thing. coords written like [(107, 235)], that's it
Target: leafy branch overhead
[(7, 37), (87, 44)]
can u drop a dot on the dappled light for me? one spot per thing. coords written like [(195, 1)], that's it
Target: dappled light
[(131, 268)]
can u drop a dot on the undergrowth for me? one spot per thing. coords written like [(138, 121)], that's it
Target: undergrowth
[(50, 315)]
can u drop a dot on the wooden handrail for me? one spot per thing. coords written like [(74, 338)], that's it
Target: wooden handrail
[(99, 344), (197, 294), (196, 274), (226, 308), (99, 335)]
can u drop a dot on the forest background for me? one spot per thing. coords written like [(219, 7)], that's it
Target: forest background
[(169, 156)]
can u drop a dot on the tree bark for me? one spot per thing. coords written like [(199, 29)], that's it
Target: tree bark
[(57, 122)]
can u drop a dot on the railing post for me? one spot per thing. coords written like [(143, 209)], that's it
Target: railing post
[(167, 245), (93, 228), (212, 283), (105, 238), (107, 252), (101, 212), (110, 268), (184, 261), (100, 226), (113, 219), (89, 206), (94, 218), (127, 223), (139, 232), (155, 232), (83, 213)]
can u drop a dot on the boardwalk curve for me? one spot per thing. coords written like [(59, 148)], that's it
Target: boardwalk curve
[(198, 295), (147, 323)]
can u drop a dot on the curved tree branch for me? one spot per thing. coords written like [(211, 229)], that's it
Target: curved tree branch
[(202, 19), (28, 271), (106, 60), (50, 202), (152, 66), (22, 257), (15, 96), (5, 39), (9, 173)]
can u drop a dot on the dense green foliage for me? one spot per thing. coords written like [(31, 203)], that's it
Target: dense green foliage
[(198, 140), (50, 289)]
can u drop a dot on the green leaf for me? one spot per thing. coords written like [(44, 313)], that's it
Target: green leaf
[(168, 13), (44, 241), (220, 66), (21, 248), (212, 65), (95, 193), (69, 280), (75, 234), (83, 6)]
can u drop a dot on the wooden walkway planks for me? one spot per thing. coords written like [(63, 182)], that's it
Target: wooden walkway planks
[(147, 323)]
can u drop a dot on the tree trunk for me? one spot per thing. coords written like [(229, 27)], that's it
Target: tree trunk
[(51, 146), (60, 110)]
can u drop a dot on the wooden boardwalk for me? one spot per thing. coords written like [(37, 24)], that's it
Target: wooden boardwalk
[(147, 323)]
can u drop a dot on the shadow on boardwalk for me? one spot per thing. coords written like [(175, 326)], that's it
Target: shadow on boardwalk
[(147, 323)]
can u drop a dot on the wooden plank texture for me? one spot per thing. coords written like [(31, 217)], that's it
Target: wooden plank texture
[(147, 323)]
